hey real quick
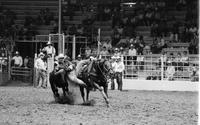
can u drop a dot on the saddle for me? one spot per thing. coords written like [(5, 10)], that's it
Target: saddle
[(86, 70)]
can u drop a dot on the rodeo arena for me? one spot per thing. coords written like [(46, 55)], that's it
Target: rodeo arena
[(99, 62)]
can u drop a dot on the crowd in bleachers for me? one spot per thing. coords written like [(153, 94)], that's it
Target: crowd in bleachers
[(7, 20), (153, 14)]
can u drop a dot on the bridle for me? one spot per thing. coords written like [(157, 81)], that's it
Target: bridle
[(104, 71)]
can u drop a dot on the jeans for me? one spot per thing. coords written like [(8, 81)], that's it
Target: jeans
[(118, 76), (41, 78)]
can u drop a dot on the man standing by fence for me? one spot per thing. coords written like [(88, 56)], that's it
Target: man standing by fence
[(118, 68), (41, 69), (17, 60), (50, 50)]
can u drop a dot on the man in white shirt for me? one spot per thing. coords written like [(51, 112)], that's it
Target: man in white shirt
[(132, 54), (113, 63), (118, 68), (140, 61), (41, 69), (17, 60), (50, 50), (104, 51), (170, 71)]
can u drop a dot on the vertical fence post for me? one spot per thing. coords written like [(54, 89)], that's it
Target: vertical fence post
[(74, 48), (9, 67), (35, 72), (162, 68)]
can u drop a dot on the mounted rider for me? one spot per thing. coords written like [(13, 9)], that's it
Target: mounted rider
[(84, 63), (64, 67)]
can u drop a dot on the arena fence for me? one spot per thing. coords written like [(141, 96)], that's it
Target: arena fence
[(4, 70), (153, 67), (22, 73)]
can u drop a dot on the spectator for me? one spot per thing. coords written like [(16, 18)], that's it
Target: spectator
[(50, 50), (147, 50), (73, 30), (113, 63), (122, 51), (185, 59), (40, 17), (80, 29), (107, 44), (140, 45), (132, 54), (26, 62), (154, 29), (163, 59), (133, 21), (140, 61), (116, 36), (17, 60), (193, 47), (41, 69), (194, 75), (117, 52), (171, 59), (107, 13), (104, 51), (30, 62), (178, 63), (170, 71), (79, 58), (115, 17), (48, 16), (148, 18), (154, 47), (124, 41), (88, 53), (118, 69), (120, 30), (162, 44)]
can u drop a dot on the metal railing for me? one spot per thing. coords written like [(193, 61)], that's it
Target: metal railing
[(153, 67)]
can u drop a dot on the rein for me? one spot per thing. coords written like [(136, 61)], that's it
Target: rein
[(103, 73)]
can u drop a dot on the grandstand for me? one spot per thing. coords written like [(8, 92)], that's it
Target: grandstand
[(171, 21)]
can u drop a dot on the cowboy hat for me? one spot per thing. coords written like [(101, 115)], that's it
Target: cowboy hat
[(16, 52), (116, 49), (49, 43), (118, 57), (79, 56), (41, 54), (113, 57), (61, 56)]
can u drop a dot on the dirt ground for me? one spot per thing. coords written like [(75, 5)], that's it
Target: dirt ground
[(28, 105)]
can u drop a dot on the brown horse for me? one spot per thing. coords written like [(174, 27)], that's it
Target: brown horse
[(95, 75)]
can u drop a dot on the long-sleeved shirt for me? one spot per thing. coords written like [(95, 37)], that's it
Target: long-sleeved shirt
[(170, 70), (18, 60), (50, 50), (118, 66), (132, 52), (40, 64)]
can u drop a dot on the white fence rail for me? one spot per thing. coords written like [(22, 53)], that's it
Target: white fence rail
[(151, 67)]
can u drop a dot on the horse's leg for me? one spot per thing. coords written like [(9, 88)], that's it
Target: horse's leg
[(88, 92), (64, 91), (53, 86), (82, 93), (103, 93), (105, 88)]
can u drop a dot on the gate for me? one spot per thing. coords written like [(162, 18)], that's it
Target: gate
[(4, 70)]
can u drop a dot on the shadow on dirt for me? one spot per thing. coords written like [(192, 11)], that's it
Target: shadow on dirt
[(16, 83), (70, 101)]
